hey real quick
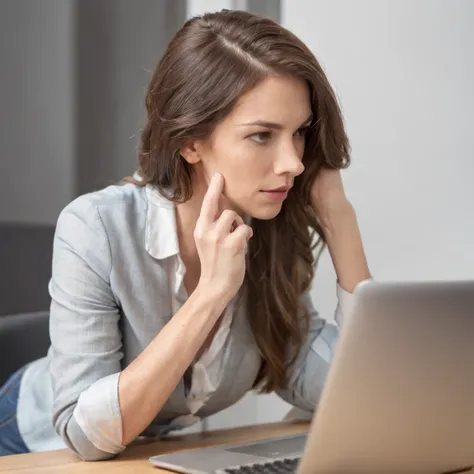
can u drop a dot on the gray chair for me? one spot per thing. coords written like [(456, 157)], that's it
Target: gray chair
[(25, 255), (23, 338)]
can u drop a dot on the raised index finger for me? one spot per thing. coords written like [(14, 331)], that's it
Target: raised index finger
[(210, 204)]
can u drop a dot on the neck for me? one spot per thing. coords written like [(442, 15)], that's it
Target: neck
[(187, 214), (186, 217)]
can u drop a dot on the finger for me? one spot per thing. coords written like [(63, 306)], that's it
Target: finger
[(228, 222), (240, 237), (210, 204)]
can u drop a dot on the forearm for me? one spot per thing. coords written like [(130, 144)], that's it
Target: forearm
[(146, 384), (345, 246)]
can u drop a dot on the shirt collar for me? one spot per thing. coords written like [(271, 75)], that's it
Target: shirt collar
[(161, 236)]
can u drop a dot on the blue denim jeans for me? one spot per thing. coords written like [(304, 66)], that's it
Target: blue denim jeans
[(11, 441)]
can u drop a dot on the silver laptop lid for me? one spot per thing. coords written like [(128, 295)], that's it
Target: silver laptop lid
[(399, 397)]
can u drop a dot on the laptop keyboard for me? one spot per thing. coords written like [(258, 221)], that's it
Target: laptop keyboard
[(279, 466)]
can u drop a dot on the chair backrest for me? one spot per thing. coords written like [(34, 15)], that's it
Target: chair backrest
[(23, 338), (25, 256)]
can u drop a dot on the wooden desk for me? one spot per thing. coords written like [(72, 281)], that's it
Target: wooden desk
[(135, 458)]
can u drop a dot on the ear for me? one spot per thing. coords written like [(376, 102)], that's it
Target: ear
[(190, 151)]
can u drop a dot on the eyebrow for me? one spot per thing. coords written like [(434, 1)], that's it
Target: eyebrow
[(272, 125)]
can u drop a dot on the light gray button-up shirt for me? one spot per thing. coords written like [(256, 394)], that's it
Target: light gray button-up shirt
[(117, 280)]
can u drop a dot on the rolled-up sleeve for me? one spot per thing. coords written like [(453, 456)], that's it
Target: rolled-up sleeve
[(86, 346), (306, 377)]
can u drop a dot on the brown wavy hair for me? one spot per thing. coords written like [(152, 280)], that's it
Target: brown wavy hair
[(208, 65)]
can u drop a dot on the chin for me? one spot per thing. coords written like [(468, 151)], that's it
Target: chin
[(265, 213), (257, 208)]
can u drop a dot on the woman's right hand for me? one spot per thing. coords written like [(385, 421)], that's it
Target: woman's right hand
[(221, 242)]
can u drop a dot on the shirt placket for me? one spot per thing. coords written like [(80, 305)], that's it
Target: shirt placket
[(179, 296)]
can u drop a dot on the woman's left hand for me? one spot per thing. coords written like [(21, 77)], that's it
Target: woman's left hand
[(328, 197)]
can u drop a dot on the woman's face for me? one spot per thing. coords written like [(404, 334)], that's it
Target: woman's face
[(258, 147)]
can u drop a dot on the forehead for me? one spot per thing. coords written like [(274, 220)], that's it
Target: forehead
[(281, 99)]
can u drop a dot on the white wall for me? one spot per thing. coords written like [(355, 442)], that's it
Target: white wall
[(404, 72)]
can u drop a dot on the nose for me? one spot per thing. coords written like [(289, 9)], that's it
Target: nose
[(289, 162)]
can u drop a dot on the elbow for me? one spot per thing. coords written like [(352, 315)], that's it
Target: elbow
[(86, 451), (297, 400), (94, 455), (91, 426), (84, 447)]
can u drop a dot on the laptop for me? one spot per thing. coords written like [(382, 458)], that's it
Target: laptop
[(398, 399)]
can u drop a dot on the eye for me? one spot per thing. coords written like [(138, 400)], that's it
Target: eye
[(261, 137)]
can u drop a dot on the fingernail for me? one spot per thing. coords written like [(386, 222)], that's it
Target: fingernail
[(216, 176)]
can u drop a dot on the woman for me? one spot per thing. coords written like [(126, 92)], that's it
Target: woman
[(176, 293)]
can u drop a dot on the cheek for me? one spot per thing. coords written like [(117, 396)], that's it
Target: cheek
[(245, 161), (246, 166)]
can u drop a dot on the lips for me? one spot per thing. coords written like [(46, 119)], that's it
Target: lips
[(281, 189), (277, 194)]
